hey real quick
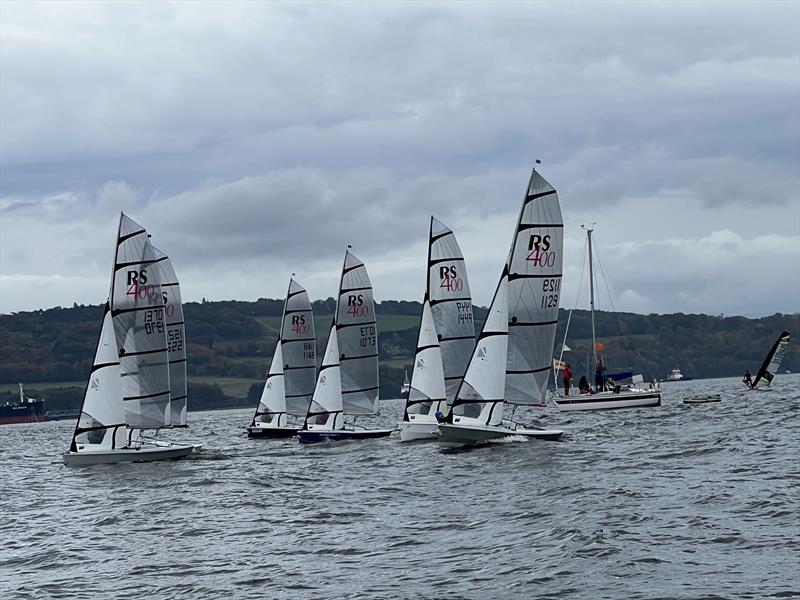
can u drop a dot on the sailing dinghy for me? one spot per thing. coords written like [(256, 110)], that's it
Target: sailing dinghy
[(347, 383), (446, 337), (129, 387), (605, 396), (772, 362), (511, 362), (292, 373)]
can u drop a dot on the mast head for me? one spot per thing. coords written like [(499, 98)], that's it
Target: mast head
[(590, 227)]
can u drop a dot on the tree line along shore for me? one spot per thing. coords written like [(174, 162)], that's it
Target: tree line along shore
[(230, 345)]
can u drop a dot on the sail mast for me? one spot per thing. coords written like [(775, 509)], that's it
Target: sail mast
[(591, 293)]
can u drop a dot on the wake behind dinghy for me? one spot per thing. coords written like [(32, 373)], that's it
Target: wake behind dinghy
[(138, 378)]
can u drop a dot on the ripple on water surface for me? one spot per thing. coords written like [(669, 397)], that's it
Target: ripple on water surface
[(672, 502)]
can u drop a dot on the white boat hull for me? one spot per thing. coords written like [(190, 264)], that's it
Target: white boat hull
[(608, 400), (418, 429), (122, 455), (454, 436)]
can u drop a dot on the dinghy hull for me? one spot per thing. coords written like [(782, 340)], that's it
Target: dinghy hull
[(335, 435), (271, 432), (122, 455), (454, 436), (421, 430), (608, 400)]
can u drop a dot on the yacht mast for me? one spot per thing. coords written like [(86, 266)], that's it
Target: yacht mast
[(591, 291)]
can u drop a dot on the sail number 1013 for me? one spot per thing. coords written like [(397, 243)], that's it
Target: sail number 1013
[(550, 290)]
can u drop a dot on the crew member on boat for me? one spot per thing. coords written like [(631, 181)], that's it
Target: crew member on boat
[(600, 376), (567, 376), (583, 385)]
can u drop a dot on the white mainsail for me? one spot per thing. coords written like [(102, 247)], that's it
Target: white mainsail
[(326, 404), (273, 396), (137, 310), (534, 288), (357, 335), (102, 418), (176, 339), (298, 348), (480, 395), (427, 393), (451, 304)]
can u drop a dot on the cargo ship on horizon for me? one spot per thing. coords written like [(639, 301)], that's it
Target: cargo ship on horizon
[(23, 410)]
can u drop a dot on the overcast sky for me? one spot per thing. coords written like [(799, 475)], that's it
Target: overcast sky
[(254, 140)]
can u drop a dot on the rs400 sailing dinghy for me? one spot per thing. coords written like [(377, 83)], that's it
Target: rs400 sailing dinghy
[(347, 383), (292, 373), (138, 378), (511, 362), (446, 337)]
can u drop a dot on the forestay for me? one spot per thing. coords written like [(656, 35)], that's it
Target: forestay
[(176, 339), (534, 288), (451, 304), (480, 394), (772, 362), (427, 392), (357, 339), (102, 418), (298, 345), (137, 309), (326, 403)]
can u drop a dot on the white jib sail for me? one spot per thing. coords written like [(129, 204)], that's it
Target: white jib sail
[(534, 289), (480, 395), (137, 310), (357, 334), (102, 418), (427, 392), (273, 397), (451, 304), (298, 346), (176, 339), (326, 403)]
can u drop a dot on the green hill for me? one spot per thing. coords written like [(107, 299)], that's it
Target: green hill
[(230, 345)]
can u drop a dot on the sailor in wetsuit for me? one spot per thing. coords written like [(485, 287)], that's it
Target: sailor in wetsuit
[(747, 380)]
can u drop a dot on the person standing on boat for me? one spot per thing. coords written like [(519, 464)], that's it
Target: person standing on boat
[(567, 377), (600, 376), (747, 380)]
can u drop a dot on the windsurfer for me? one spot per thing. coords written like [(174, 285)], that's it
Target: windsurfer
[(747, 379)]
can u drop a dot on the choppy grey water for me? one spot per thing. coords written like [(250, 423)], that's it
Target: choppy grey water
[(673, 502)]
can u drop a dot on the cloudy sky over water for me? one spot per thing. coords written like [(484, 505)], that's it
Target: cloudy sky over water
[(257, 139)]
